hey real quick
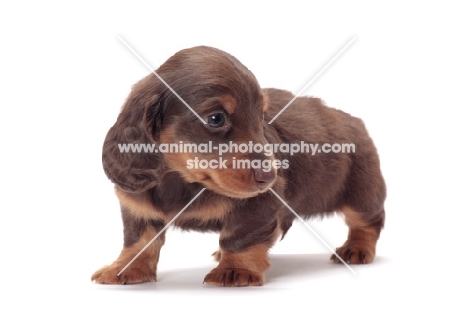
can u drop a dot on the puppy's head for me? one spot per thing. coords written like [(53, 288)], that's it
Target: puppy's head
[(224, 94)]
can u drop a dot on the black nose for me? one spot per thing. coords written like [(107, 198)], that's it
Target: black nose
[(262, 178)]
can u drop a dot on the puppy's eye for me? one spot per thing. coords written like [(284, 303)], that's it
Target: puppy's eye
[(216, 120)]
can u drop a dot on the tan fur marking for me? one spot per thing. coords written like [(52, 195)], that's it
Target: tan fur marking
[(255, 258), (244, 268), (216, 210), (358, 229), (143, 269), (229, 103), (353, 218), (142, 208), (139, 207), (362, 239)]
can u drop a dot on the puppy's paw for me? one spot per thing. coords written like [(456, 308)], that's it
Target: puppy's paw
[(233, 277), (355, 252), (131, 275)]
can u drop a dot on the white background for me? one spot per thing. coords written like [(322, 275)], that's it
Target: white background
[(64, 76)]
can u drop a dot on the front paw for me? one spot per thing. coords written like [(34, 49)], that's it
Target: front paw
[(234, 277), (131, 275)]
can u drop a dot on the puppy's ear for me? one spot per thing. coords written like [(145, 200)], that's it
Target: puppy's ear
[(128, 157)]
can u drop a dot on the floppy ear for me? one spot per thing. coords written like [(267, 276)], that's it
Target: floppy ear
[(139, 169)]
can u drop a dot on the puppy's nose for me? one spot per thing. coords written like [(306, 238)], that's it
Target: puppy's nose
[(262, 178)]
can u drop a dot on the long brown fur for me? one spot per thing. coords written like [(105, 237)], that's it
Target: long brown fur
[(154, 187)]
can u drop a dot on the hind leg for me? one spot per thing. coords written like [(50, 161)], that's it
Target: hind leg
[(362, 237)]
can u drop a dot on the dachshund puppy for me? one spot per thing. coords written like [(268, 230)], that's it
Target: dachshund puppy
[(239, 203)]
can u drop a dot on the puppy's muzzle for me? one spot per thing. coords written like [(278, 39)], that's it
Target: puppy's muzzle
[(263, 179)]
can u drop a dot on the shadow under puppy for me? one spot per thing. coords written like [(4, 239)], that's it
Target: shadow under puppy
[(154, 187)]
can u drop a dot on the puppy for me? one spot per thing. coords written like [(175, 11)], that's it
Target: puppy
[(153, 187)]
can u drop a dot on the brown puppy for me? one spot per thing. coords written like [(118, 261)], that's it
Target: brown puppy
[(154, 186)]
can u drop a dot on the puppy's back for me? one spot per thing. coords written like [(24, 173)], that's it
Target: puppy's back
[(325, 182)]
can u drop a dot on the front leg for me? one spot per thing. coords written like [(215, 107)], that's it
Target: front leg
[(137, 234), (245, 268), (245, 240)]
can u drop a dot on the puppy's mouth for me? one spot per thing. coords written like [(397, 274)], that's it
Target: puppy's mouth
[(258, 181), (238, 193)]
